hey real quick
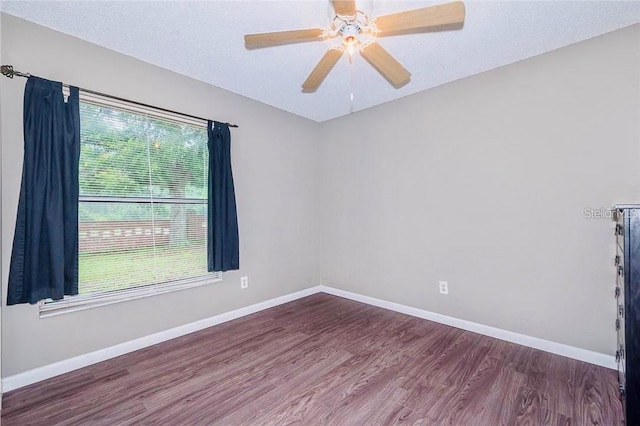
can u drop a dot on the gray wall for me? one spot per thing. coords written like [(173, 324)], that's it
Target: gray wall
[(276, 175), (483, 183)]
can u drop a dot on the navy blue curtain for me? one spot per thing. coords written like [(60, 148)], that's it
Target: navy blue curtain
[(222, 232), (44, 260)]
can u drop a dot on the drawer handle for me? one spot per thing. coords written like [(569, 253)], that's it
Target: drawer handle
[(618, 356), (618, 229), (617, 324), (621, 311), (617, 292), (617, 260), (620, 270)]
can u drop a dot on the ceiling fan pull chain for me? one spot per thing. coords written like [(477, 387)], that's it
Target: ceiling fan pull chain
[(350, 84)]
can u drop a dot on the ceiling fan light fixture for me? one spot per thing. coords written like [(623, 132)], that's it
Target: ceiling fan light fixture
[(350, 36), (350, 40)]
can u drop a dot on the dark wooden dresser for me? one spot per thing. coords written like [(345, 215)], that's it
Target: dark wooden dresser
[(627, 293)]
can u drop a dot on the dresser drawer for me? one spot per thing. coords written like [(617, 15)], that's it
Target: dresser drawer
[(620, 341), (620, 329), (618, 229), (620, 274), (620, 244), (618, 291), (621, 359), (620, 309)]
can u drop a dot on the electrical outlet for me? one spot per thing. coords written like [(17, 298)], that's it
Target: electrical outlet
[(444, 287), (244, 282)]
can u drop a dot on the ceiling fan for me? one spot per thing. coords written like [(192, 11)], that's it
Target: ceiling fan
[(358, 31)]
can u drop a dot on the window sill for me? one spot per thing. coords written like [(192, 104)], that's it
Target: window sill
[(79, 303)]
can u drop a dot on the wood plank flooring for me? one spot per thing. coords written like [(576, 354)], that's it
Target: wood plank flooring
[(325, 360)]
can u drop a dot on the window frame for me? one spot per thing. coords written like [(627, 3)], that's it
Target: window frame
[(88, 301)]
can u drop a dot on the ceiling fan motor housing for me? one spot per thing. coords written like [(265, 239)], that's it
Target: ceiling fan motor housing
[(350, 34)]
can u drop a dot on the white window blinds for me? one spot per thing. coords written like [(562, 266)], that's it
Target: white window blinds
[(143, 195)]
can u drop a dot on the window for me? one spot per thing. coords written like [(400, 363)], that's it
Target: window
[(143, 204)]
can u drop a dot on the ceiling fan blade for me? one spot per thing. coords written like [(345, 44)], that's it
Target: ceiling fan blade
[(385, 64), (256, 41), (321, 70), (423, 19), (345, 7)]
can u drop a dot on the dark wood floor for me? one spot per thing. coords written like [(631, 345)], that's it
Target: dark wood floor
[(326, 360)]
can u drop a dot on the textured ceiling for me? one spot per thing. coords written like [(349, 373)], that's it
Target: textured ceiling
[(204, 40)]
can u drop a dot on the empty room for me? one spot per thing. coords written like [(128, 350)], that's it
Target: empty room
[(320, 212)]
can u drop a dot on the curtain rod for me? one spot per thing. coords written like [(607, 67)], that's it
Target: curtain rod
[(8, 71)]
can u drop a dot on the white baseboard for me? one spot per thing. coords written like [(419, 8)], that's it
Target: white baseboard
[(585, 355), (47, 371)]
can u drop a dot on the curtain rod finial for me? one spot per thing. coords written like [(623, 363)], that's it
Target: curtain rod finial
[(7, 71)]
